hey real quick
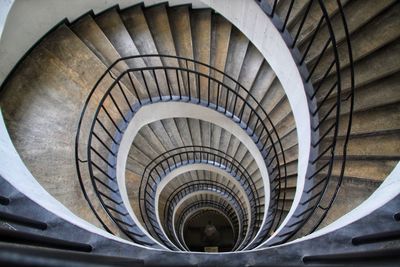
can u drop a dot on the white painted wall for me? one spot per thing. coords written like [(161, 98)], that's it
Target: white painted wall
[(5, 6)]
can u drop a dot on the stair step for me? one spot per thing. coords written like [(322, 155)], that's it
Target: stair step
[(297, 8), (200, 22), (113, 27), (42, 102), (285, 125), (381, 119), (379, 145), (273, 96), (91, 34), (361, 13), (366, 169), (219, 46), (380, 30), (379, 64), (136, 24), (184, 130), (378, 93), (265, 77), (179, 18), (313, 19)]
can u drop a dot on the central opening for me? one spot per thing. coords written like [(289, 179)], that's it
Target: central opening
[(209, 231)]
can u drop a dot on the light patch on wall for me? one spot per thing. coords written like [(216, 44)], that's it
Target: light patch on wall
[(5, 6)]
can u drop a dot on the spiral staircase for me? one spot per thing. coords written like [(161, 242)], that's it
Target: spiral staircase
[(125, 130)]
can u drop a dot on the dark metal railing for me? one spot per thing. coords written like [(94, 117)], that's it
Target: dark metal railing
[(218, 188), (122, 90), (192, 216), (165, 163), (223, 206), (315, 42)]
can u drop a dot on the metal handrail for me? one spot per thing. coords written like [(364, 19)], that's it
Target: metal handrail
[(219, 188), (183, 189), (187, 219), (180, 156), (112, 128), (319, 175), (204, 204)]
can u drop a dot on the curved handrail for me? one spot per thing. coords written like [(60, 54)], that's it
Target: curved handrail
[(259, 127), (204, 204), (187, 219), (319, 175), (180, 156), (215, 187)]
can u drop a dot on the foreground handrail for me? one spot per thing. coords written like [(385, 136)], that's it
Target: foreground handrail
[(323, 72), (141, 86)]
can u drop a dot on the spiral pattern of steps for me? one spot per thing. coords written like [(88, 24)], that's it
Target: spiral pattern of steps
[(204, 129)]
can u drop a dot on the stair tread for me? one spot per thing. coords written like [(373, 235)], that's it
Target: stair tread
[(379, 145), (378, 93), (380, 119), (56, 76), (366, 169), (111, 24), (91, 34), (220, 39), (361, 13), (368, 38), (379, 64)]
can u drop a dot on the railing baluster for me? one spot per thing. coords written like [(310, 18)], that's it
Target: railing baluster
[(287, 16), (100, 156), (125, 97), (312, 40), (168, 83), (134, 88), (157, 86), (106, 131), (198, 88), (179, 85), (218, 91), (323, 79), (111, 119), (318, 59), (116, 105), (146, 86), (302, 23), (208, 92)]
